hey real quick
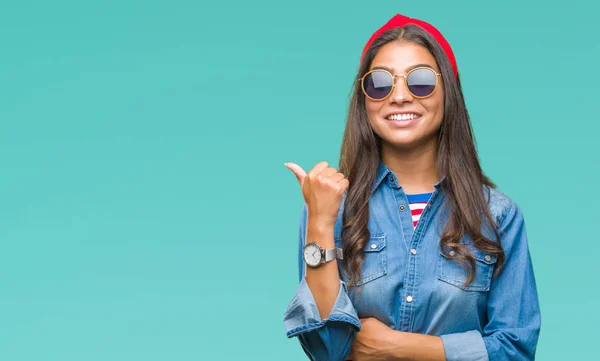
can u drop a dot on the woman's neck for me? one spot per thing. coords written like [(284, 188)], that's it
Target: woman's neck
[(415, 168)]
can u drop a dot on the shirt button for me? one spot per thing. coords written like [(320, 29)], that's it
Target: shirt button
[(452, 253), (391, 179), (413, 251), (409, 299), (402, 208), (373, 246), (429, 206), (488, 258)]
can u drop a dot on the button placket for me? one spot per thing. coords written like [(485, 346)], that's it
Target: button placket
[(408, 308)]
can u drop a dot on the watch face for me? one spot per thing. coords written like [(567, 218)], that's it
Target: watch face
[(312, 254)]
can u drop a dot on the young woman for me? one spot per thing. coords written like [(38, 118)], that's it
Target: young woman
[(431, 261)]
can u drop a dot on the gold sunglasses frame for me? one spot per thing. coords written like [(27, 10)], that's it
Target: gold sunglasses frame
[(405, 76)]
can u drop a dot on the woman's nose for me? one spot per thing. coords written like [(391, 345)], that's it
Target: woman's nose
[(400, 94)]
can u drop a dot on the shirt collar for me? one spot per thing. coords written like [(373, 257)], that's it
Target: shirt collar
[(383, 171)]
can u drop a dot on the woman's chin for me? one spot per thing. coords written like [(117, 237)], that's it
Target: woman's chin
[(401, 142), (408, 140)]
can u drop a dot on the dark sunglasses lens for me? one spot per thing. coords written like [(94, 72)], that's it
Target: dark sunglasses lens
[(378, 84), (421, 82)]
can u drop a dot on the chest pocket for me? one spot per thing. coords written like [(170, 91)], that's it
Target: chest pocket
[(375, 260), (452, 272)]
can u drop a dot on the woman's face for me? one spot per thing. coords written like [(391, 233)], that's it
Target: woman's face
[(399, 58)]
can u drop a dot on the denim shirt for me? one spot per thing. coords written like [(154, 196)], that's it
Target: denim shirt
[(409, 285)]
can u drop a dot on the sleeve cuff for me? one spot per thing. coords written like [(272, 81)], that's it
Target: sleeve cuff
[(302, 314), (467, 346)]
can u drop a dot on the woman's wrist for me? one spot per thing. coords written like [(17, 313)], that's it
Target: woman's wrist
[(319, 229)]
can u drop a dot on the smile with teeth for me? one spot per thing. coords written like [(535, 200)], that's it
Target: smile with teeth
[(403, 116)]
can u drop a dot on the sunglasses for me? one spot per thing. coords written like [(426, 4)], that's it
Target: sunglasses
[(420, 82)]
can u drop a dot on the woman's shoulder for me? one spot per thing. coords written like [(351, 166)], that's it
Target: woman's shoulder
[(499, 204)]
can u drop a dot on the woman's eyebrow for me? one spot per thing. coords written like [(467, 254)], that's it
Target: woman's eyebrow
[(418, 66), (383, 68)]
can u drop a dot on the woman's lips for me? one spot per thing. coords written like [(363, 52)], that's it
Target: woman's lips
[(403, 123)]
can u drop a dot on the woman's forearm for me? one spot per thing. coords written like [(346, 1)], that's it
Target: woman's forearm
[(323, 281), (416, 347)]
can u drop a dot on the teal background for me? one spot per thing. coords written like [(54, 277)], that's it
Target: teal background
[(145, 212)]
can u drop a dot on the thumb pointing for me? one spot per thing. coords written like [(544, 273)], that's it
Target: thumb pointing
[(297, 170)]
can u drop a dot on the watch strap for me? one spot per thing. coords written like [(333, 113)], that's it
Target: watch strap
[(333, 253)]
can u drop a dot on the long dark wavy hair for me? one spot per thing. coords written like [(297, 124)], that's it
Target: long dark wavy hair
[(457, 159)]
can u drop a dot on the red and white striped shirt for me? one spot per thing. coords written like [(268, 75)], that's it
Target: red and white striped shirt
[(417, 203)]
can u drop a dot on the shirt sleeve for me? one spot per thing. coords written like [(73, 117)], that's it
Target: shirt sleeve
[(513, 312), (322, 340)]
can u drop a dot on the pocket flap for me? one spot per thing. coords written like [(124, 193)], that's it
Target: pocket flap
[(489, 258), (481, 256), (376, 242)]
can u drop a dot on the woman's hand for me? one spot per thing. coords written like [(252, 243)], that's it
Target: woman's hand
[(323, 189), (374, 342)]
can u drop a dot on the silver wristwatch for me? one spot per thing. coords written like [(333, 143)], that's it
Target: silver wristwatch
[(314, 255)]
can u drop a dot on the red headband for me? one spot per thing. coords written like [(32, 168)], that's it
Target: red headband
[(401, 20)]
